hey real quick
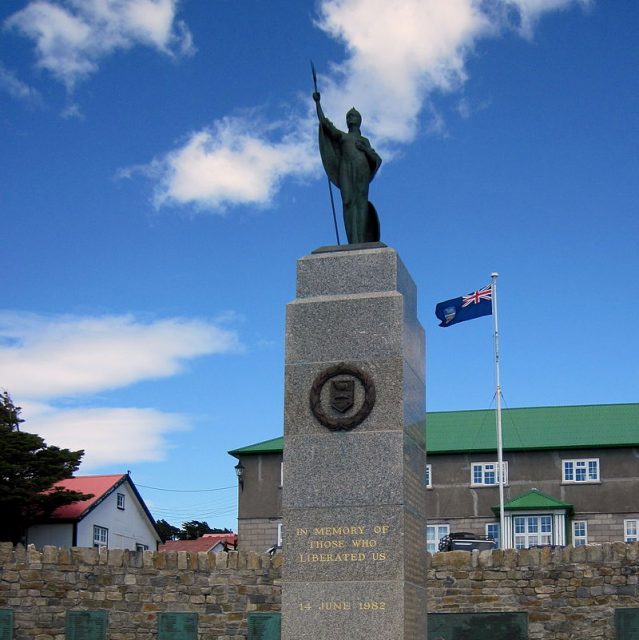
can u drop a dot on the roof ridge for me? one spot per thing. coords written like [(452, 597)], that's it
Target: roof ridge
[(99, 475), (544, 406)]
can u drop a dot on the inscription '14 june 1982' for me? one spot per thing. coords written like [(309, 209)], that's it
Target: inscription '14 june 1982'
[(334, 605)]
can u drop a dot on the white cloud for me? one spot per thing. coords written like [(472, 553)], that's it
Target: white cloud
[(48, 357), (71, 36), (16, 88), (72, 110), (398, 53), (531, 10), (109, 436), (232, 163), (45, 359)]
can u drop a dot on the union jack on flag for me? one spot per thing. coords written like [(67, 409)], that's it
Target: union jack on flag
[(477, 296), (474, 305)]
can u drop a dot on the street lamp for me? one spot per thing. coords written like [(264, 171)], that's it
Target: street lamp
[(239, 472)]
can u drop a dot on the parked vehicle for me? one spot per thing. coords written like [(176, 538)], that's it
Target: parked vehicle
[(464, 541)]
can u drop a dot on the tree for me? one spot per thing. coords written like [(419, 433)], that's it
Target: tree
[(166, 530), (28, 470), (195, 529)]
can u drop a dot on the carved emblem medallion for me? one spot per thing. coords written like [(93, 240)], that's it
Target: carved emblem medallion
[(342, 397)]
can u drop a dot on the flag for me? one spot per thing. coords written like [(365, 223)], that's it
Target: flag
[(474, 305)]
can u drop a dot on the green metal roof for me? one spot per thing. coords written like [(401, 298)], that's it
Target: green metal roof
[(533, 500), (581, 426), (276, 445)]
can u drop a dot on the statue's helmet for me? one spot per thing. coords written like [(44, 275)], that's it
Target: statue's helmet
[(354, 116)]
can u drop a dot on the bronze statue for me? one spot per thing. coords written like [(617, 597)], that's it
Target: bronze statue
[(350, 163)]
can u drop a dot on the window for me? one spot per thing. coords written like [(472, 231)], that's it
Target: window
[(279, 534), (141, 547), (579, 533), (281, 474), (120, 497), (631, 530), (428, 477), (532, 530), (485, 473), (434, 533), (100, 536), (581, 470), (492, 530)]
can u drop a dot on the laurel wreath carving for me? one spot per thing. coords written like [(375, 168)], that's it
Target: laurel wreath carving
[(337, 423)]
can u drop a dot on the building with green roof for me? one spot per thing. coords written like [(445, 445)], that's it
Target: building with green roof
[(571, 476)]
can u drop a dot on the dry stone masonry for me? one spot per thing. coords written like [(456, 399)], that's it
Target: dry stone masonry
[(134, 587), (567, 593)]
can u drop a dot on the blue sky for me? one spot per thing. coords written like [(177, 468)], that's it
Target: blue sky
[(159, 178)]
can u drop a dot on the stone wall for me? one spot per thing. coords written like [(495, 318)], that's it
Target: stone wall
[(134, 587), (567, 592)]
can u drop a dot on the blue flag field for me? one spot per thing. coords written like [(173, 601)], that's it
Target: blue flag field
[(474, 305)]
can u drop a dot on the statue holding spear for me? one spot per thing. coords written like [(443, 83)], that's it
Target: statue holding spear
[(350, 164)]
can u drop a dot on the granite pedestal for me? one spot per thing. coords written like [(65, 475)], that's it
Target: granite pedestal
[(354, 462)]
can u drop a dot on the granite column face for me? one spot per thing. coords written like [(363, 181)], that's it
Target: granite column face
[(354, 462)]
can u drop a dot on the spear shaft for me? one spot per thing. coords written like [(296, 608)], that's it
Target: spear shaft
[(330, 186)]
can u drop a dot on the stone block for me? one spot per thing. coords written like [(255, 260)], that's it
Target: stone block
[(85, 555), (344, 468), (182, 560), (116, 557), (6, 552), (372, 609)]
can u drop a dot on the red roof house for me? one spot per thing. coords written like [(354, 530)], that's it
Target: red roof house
[(115, 517), (208, 542)]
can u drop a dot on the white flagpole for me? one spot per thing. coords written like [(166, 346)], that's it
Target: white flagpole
[(500, 454)]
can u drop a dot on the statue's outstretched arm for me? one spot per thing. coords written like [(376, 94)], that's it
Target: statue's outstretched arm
[(327, 125)]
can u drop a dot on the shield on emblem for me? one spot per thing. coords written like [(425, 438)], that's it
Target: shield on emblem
[(342, 394)]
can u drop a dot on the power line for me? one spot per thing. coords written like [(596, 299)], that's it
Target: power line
[(168, 511), (144, 486)]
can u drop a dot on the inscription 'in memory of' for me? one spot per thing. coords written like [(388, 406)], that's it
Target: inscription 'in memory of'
[(347, 543)]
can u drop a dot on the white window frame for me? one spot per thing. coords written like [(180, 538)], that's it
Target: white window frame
[(533, 537), (438, 531), (631, 530), (281, 474), (571, 468), (488, 467), (428, 479), (579, 539), (100, 536), (280, 531), (120, 498), (497, 537)]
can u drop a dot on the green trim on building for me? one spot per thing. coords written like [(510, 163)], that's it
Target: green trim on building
[(534, 500), (524, 429)]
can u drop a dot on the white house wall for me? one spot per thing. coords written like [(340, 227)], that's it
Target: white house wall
[(127, 527)]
